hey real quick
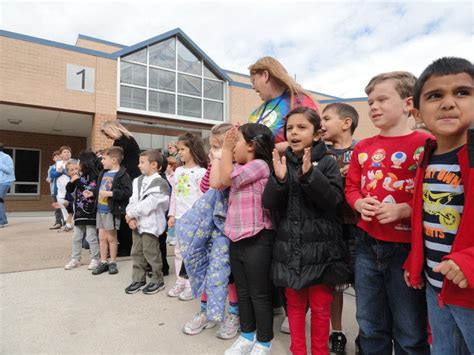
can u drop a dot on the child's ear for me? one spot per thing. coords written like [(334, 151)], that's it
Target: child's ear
[(317, 135), (347, 123), (409, 105)]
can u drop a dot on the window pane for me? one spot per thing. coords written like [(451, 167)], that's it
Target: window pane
[(213, 89), (189, 85), (187, 61), (163, 54), (161, 102), (132, 97), (27, 165), (139, 56), (133, 74), (187, 106), (162, 79), (26, 189), (208, 73), (213, 110)]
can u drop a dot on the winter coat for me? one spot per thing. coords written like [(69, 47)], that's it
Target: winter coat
[(205, 250), (122, 190), (84, 208), (308, 249)]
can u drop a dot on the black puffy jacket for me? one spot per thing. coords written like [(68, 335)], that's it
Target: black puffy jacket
[(308, 248)]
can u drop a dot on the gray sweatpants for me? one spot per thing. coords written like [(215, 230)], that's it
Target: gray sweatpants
[(91, 237)]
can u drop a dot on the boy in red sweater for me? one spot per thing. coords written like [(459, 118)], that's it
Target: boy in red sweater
[(379, 185), (443, 209)]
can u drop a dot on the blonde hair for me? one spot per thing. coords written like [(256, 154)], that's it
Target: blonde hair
[(115, 130), (279, 74), (219, 129), (404, 82)]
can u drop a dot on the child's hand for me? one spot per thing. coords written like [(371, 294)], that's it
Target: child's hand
[(171, 222), (391, 212), (87, 194), (132, 223), (105, 194), (230, 139), (344, 170), (74, 177), (279, 165), (367, 207), (306, 161), (215, 154), (55, 205), (406, 276), (452, 272)]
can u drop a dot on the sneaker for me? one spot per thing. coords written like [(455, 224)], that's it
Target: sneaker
[(198, 324), (113, 268), (186, 294), (93, 264), (229, 327), (55, 226), (338, 343), (240, 346), (176, 290), (153, 288), (72, 264), (134, 287), (103, 267), (259, 349), (285, 326)]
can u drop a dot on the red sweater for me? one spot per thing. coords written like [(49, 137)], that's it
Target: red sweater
[(385, 167), (462, 251)]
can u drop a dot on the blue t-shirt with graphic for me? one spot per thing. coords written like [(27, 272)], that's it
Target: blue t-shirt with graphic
[(105, 185)]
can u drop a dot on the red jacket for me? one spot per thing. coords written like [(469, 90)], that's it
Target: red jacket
[(462, 251)]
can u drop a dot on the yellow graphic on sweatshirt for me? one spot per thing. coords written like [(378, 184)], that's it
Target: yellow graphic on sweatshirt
[(183, 188)]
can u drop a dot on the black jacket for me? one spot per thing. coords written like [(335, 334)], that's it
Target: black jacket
[(122, 190), (308, 249), (131, 155), (84, 208)]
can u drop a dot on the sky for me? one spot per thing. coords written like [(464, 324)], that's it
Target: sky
[(333, 47)]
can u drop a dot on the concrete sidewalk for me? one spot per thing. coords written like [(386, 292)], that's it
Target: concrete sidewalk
[(45, 309)]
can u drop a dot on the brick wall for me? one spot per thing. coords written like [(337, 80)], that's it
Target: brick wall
[(47, 144)]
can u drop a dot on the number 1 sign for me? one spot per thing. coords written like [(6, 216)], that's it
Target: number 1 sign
[(80, 78)]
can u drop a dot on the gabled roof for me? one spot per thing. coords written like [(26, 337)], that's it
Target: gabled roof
[(98, 40), (177, 32)]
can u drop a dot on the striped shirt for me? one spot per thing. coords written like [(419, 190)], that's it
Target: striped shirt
[(443, 201), (246, 215), (205, 184)]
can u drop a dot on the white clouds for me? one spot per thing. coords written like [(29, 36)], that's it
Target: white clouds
[(332, 47)]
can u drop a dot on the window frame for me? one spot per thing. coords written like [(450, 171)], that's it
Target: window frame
[(16, 182), (176, 93)]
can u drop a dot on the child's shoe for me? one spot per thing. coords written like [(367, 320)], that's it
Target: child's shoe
[(103, 267), (134, 287), (186, 294), (259, 349), (113, 268), (198, 324), (338, 343), (285, 326), (241, 346), (229, 327), (93, 264), (72, 264), (176, 290), (153, 288)]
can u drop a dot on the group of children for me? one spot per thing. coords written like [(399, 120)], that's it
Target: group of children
[(381, 214)]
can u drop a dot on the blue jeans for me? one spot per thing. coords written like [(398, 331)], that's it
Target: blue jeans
[(3, 192), (452, 327), (387, 310)]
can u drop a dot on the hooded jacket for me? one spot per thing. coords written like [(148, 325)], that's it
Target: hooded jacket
[(149, 208), (462, 251), (84, 208), (308, 249)]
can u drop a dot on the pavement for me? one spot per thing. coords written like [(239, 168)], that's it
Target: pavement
[(46, 309)]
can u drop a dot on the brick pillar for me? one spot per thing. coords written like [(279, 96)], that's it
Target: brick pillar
[(99, 141)]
